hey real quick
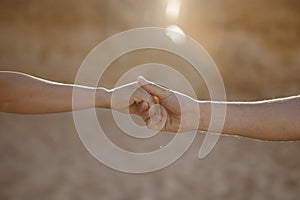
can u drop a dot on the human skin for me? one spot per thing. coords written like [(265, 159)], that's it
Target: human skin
[(24, 94), (277, 119)]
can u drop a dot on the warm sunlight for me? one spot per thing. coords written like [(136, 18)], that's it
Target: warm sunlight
[(173, 9)]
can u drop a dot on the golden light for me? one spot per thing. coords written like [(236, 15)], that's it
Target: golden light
[(173, 9)]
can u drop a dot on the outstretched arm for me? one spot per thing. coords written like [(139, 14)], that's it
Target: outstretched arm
[(277, 119), (25, 94)]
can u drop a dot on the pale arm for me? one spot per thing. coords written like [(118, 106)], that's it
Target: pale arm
[(24, 94), (277, 119)]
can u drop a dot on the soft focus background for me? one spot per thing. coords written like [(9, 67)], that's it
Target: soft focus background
[(255, 44)]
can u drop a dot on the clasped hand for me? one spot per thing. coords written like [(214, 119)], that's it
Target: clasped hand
[(161, 108)]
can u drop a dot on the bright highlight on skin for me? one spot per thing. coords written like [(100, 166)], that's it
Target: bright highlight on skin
[(173, 9)]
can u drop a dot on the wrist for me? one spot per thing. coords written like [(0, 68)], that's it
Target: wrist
[(205, 114), (195, 114), (103, 98)]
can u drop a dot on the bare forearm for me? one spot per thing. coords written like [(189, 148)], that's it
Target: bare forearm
[(25, 94), (268, 120)]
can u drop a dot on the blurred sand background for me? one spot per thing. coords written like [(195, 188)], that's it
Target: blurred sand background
[(254, 43)]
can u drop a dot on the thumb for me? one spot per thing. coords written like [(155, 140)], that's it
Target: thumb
[(153, 89)]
